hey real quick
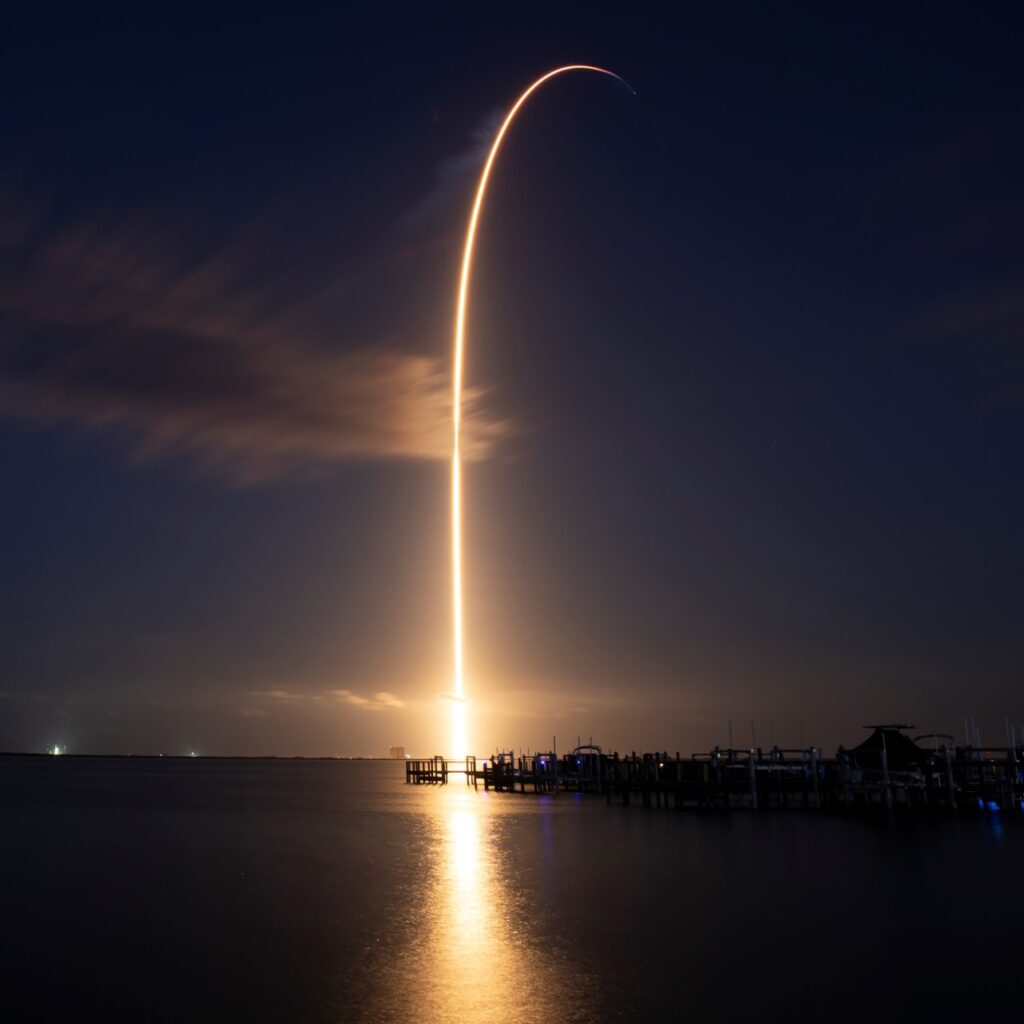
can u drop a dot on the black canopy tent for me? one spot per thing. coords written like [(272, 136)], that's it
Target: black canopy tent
[(903, 753)]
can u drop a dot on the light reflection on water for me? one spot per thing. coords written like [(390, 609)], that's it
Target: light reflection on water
[(468, 918), (475, 955), (323, 892)]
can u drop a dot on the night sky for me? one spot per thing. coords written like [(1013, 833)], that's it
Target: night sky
[(745, 354)]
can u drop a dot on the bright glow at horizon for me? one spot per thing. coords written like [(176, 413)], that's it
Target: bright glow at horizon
[(459, 734)]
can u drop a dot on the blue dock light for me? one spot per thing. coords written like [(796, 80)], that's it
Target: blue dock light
[(981, 804), (993, 806)]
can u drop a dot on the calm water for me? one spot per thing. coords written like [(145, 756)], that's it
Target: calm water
[(159, 890)]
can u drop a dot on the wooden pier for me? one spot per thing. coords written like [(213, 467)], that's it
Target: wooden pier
[(435, 771), (886, 772)]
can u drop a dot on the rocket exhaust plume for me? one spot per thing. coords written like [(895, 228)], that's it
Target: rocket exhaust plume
[(459, 747)]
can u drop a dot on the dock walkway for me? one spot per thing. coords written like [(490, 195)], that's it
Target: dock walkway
[(948, 778)]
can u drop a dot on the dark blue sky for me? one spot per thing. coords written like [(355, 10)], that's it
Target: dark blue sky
[(748, 352)]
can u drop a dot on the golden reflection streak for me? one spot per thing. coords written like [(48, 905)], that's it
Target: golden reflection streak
[(477, 918), (459, 691), (470, 922)]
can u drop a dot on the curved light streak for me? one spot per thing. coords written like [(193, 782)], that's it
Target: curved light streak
[(459, 689)]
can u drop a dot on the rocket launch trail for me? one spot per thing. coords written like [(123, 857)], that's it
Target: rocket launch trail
[(459, 748)]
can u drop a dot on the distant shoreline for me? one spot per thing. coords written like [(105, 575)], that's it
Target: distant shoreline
[(205, 757)]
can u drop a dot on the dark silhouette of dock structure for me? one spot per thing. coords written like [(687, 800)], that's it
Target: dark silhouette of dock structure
[(889, 770), (436, 771)]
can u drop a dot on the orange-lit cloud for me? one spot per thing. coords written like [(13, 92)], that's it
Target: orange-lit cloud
[(108, 326), (281, 695), (381, 700)]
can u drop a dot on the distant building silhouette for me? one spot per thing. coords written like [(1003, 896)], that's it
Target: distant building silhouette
[(397, 752)]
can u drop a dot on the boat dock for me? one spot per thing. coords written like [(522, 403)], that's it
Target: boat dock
[(437, 770), (887, 771)]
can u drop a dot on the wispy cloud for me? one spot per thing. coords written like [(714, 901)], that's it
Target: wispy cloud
[(382, 700), (993, 310), (986, 321), (455, 175), (288, 696), (110, 325)]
